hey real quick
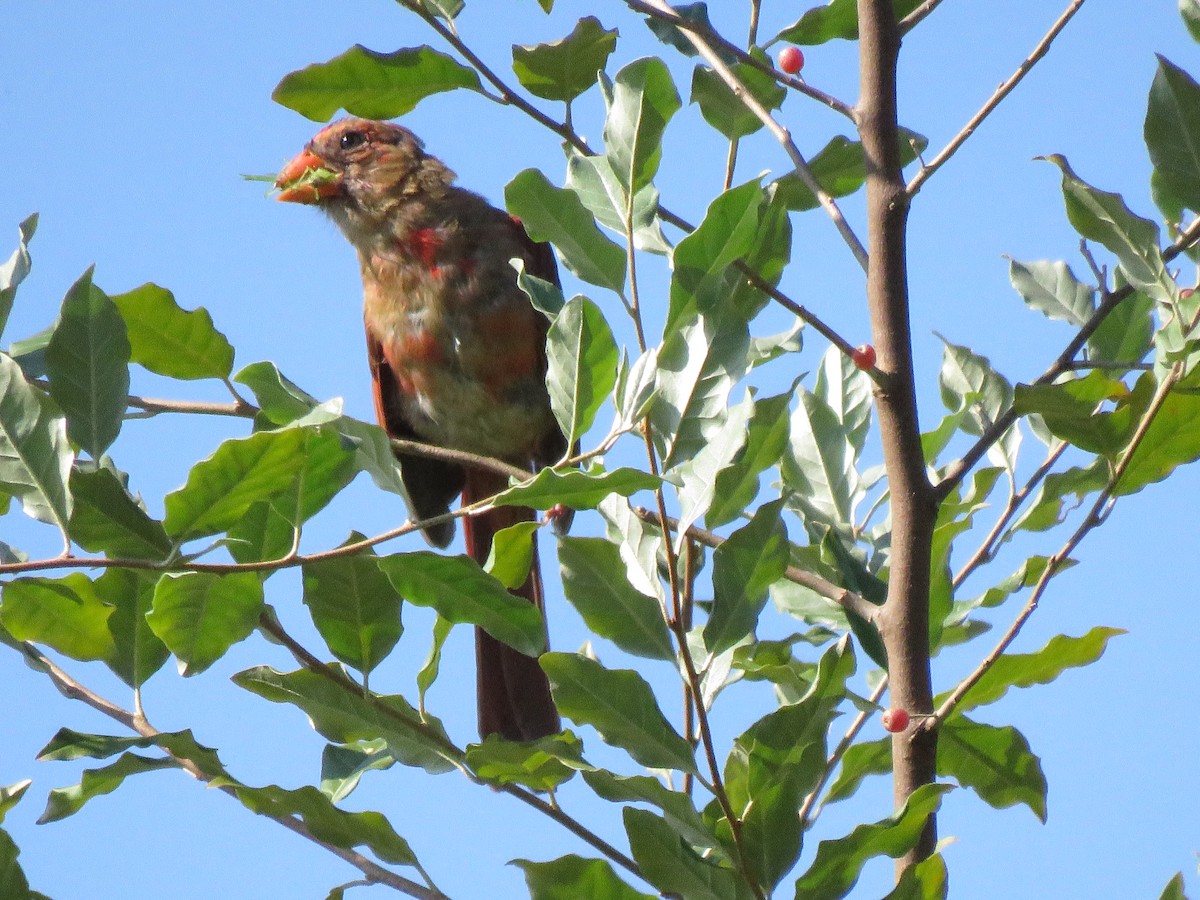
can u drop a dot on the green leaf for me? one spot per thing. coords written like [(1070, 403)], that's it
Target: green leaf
[(13, 272), (444, 9), (676, 806), (744, 566), (1070, 410), (576, 489), (619, 704), (1102, 216), (280, 399), (372, 85), (1052, 289), (996, 763), (342, 767), (546, 298), (429, 671), (87, 360), (838, 863), (1174, 888), (269, 527), (968, 381), (221, 488), (63, 802), (511, 556), (1042, 667), (345, 715), (463, 593), (171, 341), (840, 169), (1172, 440), (571, 877), (1125, 333), (35, 458), (702, 357), (600, 189), (354, 606), (1190, 10), (11, 795), (697, 477), (726, 112), (557, 215), (818, 467), (1051, 508), (736, 486), (64, 613), (862, 759), (13, 883), (643, 101), (927, 880), (67, 744), (582, 366), (672, 866), (1172, 132), (837, 19), (696, 13), (326, 822), (847, 391), (199, 615), (594, 581), (540, 765), (137, 652), (107, 518), (564, 69)]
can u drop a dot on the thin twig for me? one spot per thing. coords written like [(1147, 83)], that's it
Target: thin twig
[(716, 40), (956, 472), (74, 690), (1096, 515), (914, 18), (844, 598), (781, 134), (1003, 91), (836, 756)]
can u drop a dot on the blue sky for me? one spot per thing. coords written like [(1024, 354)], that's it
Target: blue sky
[(128, 125)]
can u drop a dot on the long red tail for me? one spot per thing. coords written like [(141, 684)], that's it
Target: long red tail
[(512, 690)]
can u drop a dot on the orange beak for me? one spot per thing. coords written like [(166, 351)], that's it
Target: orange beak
[(296, 184)]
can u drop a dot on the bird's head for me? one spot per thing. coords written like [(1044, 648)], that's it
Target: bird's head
[(360, 170)]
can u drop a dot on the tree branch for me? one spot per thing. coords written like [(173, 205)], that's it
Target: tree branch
[(780, 133), (1003, 91), (904, 620)]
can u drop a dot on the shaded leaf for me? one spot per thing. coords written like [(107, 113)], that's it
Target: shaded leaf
[(840, 169), (837, 19), (463, 593), (996, 763), (137, 653), (1172, 133), (345, 716), (16, 269), (744, 566), (576, 489), (87, 361), (571, 877), (581, 366), (280, 400), (736, 485), (35, 458), (594, 581), (557, 215), (107, 518), (63, 802), (619, 704), (838, 863), (672, 866), (538, 765), (678, 808), (723, 110)]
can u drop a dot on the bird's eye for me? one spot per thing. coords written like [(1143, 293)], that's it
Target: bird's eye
[(352, 139)]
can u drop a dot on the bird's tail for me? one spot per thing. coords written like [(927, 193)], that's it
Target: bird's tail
[(512, 690)]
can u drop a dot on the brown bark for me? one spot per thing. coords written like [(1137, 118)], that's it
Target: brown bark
[(904, 622)]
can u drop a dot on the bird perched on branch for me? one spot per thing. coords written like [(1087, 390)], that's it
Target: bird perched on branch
[(456, 350)]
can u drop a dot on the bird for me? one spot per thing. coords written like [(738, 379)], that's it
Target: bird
[(457, 356)]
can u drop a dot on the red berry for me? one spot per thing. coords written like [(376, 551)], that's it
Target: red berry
[(863, 357), (791, 60), (895, 720), (1185, 293)]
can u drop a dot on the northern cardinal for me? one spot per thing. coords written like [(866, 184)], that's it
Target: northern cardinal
[(456, 350)]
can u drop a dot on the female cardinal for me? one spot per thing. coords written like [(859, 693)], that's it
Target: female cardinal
[(457, 353)]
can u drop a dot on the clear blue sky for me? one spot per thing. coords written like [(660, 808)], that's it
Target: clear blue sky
[(127, 126)]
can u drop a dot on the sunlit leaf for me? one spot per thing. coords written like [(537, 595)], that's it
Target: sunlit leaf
[(582, 365), (372, 85), (564, 69), (172, 341), (571, 877), (16, 269), (64, 613)]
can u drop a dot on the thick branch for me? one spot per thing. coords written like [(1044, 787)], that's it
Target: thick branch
[(904, 621)]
